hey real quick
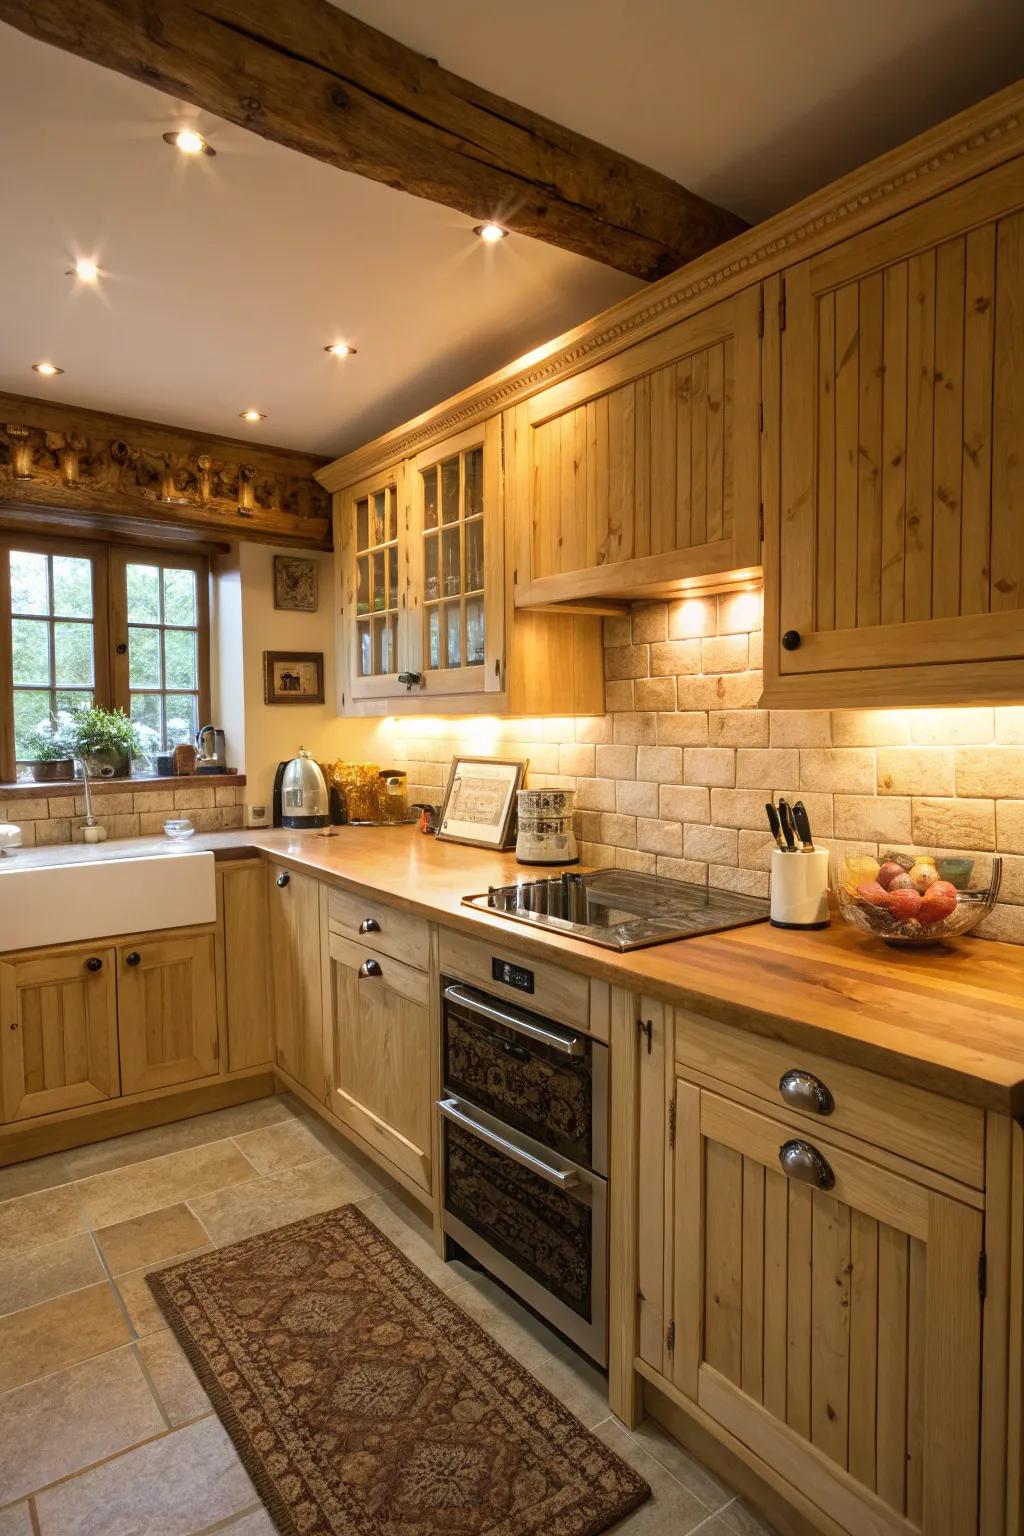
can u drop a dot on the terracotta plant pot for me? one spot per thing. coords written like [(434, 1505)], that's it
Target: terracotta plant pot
[(53, 770)]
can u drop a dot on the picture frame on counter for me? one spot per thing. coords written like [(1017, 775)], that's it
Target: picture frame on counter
[(293, 677), (480, 801)]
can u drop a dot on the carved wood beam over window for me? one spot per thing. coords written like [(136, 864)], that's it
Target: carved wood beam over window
[(65, 462), (307, 75)]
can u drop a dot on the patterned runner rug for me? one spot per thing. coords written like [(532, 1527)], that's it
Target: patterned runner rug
[(364, 1402)]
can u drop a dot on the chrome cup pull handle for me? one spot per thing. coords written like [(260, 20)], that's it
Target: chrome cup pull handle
[(369, 925), (805, 1092), (369, 968), (801, 1161)]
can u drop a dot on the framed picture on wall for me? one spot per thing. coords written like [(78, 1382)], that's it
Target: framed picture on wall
[(480, 801), (293, 677), (295, 584)]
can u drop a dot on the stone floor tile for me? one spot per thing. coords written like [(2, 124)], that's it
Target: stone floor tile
[(686, 1469), (133, 1191), (500, 1315), (256, 1523), (65, 1422), (38, 1173), (30, 1221), (36, 1274), (60, 1332), (672, 1509), (410, 1230), (177, 1136), (276, 1147), (142, 1309), (174, 1486), (173, 1379), (232, 1214), (577, 1384), (738, 1519), (16, 1521), (150, 1239)]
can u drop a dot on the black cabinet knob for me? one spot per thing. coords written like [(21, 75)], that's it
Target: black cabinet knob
[(94, 963), (134, 958), (283, 880), (791, 640), (370, 968), (369, 925)]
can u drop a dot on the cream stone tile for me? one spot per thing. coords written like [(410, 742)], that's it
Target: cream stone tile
[(756, 651), (60, 1332), (747, 882), (30, 810), (715, 845), (127, 1192), (524, 1336), (738, 808), (840, 770), (232, 1214), (36, 1174), (588, 826), (16, 1521), (738, 1519), (1010, 724), (683, 729), (709, 766), (595, 795), (1009, 834), (632, 729), (662, 764), (55, 830), (672, 1509), (739, 612), (616, 762), (800, 728), (618, 694), (1004, 922), (276, 1147), (731, 690), (617, 629), (664, 837), (172, 1377), (693, 616), (593, 728), (144, 1314), (870, 728), (197, 1131), (766, 767), (754, 850), (618, 831), (194, 798), (955, 823), (676, 658), (996, 772), (635, 861), (153, 800), (577, 1384), (877, 818), (686, 1469), (635, 797), (684, 802), (682, 869), (597, 856), (407, 1226), (37, 1274), (30, 1221), (174, 1486), (915, 770), (232, 818), (724, 653), (64, 1422), (151, 1238), (738, 727), (649, 622), (626, 661), (576, 757), (952, 727), (225, 796), (654, 693)]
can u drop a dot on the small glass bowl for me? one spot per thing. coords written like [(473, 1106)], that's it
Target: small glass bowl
[(919, 921), (178, 828)]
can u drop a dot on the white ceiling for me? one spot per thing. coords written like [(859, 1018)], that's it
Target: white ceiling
[(223, 279)]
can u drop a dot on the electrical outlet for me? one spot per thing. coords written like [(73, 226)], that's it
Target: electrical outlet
[(257, 816)]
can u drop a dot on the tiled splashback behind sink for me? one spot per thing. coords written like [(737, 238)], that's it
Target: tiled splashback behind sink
[(674, 778), (57, 816)]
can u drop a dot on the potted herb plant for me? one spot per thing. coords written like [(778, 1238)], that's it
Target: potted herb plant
[(106, 740), (51, 751)]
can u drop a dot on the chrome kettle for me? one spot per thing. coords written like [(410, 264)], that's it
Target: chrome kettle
[(210, 749), (300, 794)]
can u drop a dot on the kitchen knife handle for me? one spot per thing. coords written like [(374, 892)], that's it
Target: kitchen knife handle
[(803, 826), (786, 819), (773, 825)]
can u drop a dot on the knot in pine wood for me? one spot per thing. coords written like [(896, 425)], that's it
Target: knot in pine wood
[(339, 97), (252, 106)]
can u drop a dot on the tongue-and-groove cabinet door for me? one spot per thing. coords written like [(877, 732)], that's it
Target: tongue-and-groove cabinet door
[(58, 1033), (167, 1012), (829, 1318), (895, 544)]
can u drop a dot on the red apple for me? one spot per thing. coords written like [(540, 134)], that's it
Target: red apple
[(904, 904), (889, 872)]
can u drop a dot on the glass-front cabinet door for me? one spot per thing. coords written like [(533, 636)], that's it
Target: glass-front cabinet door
[(456, 590), (374, 583)]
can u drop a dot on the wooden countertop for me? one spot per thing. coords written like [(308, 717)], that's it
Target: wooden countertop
[(949, 1019)]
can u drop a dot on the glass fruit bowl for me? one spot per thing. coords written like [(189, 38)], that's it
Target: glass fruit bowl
[(912, 900)]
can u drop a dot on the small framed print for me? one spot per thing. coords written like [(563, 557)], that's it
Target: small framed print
[(480, 801), (293, 677), (295, 584)]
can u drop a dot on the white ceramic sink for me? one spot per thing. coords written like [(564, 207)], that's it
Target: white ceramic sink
[(62, 903)]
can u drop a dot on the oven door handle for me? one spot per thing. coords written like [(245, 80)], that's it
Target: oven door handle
[(452, 1110), (569, 1045)]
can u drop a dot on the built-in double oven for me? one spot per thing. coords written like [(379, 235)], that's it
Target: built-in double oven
[(524, 1138)]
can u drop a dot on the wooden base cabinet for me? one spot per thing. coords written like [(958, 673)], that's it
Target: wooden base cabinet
[(167, 1012), (246, 964), (58, 1033), (294, 902), (382, 1057)]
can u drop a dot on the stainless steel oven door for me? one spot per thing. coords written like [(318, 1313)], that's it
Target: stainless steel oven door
[(536, 1220)]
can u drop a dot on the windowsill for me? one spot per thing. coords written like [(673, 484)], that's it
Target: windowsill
[(30, 789)]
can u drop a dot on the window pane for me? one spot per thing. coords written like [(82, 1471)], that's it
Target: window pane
[(72, 587), (180, 658), (70, 699), (30, 710), (143, 594), (145, 711), (29, 583), (182, 714), (72, 653), (179, 597), (144, 658), (31, 650), (474, 481)]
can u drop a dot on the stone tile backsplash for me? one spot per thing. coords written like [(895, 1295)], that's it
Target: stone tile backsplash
[(674, 778), (59, 818)]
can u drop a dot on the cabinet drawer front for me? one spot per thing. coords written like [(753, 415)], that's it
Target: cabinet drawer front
[(381, 970), (551, 991), (387, 930), (936, 1132)]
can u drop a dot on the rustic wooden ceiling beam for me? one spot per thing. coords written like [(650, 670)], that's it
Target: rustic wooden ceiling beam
[(307, 75)]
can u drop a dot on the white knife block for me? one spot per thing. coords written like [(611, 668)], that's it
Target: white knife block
[(799, 889)]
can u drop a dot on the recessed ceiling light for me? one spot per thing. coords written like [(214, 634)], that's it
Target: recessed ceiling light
[(252, 414), (491, 233), (189, 142), (340, 349), (48, 370), (85, 269)]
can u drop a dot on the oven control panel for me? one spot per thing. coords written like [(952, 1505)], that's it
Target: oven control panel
[(512, 975)]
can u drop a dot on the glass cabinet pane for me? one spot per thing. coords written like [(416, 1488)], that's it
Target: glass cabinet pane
[(379, 589), (379, 506), (452, 504), (364, 650), (430, 497), (453, 633), (475, 556), (362, 524), (450, 491), (474, 482), (393, 576), (431, 576), (451, 561), (474, 632), (378, 582), (434, 645), (393, 513), (362, 584)]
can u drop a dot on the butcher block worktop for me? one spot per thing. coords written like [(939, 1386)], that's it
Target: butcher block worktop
[(949, 1019)]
